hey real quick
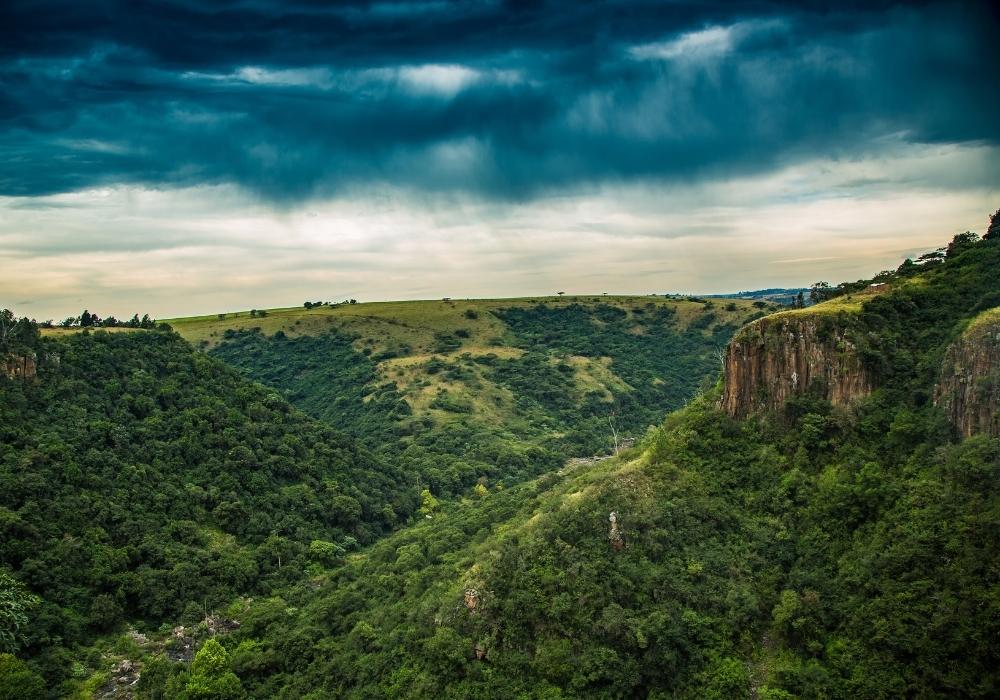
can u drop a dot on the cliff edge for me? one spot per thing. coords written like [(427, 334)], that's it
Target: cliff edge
[(969, 387), (788, 353)]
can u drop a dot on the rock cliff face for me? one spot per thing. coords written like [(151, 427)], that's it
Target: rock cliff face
[(19, 366), (780, 356), (969, 388)]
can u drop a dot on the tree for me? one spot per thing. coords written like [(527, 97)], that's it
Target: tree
[(428, 504), (325, 553), (993, 229), (212, 677), (960, 243), (105, 612), (86, 319), (6, 327), (800, 301), (18, 682), (820, 291), (15, 605)]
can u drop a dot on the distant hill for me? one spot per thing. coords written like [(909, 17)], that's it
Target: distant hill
[(465, 390), (776, 295)]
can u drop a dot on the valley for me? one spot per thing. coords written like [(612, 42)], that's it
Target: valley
[(424, 499)]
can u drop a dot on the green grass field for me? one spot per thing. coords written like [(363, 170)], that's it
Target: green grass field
[(414, 323), (59, 332)]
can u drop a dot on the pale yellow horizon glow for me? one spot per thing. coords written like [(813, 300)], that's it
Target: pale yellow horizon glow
[(202, 250)]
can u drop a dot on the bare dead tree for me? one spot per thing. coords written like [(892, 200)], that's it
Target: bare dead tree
[(720, 355), (614, 432)]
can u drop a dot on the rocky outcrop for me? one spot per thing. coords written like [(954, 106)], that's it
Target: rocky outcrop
[(615, 534), (969, 387), (780, 356), (20, 366)]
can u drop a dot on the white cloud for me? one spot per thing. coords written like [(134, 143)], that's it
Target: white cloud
[(438, 79), (702, 44), (445, 80), (295, 77)]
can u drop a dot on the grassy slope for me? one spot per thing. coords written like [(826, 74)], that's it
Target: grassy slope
[(392, 323), (988, 317), (408, 329)]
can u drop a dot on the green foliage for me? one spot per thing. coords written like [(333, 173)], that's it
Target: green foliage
[(17, 335), (212, 677), (18, 682), (16, 603), (818, 553), (139, 479), (428, 504), (661, 363)]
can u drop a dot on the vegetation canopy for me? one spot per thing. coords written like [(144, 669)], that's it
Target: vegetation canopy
[(392, 513)]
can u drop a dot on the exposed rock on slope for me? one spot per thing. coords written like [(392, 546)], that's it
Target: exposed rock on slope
[(786, 354), (19, 366), (969, 388)]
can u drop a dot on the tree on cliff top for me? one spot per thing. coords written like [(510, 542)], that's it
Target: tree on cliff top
[(16, 333), (993, 230)]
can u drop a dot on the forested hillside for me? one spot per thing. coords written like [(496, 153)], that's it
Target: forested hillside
[(767, 543), (140, 480), (809, 551), (146, 483)]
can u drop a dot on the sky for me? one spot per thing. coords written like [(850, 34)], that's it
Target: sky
[(183, 157)]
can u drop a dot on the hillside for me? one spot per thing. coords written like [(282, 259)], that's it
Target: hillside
[(171, 485), (772, 539), (811, 550), (487, 389), (140, 480)]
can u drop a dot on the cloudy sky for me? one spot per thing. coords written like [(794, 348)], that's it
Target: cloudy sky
[(188, 157)]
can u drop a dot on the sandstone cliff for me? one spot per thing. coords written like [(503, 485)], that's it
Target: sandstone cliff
[(969, 387), (779, 356), (16, 366)]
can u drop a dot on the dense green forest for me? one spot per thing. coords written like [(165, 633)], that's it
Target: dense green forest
[(816, 551), (147, 483), (141, 480)]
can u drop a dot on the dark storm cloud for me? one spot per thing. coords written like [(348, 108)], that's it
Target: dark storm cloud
[(295, 100)]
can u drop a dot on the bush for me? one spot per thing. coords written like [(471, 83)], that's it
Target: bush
[(18, 682)]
